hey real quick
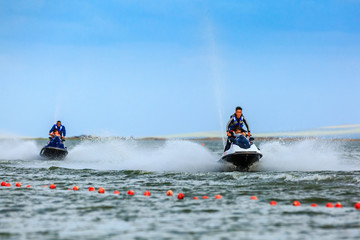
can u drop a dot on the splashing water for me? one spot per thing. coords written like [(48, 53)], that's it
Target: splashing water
[(15, 149), (307, 155), (141, 155), (114, 154), (217, 80)]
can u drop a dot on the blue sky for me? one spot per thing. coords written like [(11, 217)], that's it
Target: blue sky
[(148, 68)]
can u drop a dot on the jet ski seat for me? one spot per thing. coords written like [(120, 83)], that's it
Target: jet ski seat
[(242, 142), (56, 142)]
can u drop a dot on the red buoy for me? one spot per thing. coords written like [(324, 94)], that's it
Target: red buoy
[(338, 205), (3, 184), (296, 204), (205, 197), (314, 205), (28, 186), (91, 189), (357, 205), (181, 196), (8, 184), (196, 198), (116, 192), (18, 184), (273, 203), (253, 198), (52, 186), (45, 186), (147, 193), (101, 190), (329, 205), (131, 192), (218, 196), (169, 193), (76, 188)]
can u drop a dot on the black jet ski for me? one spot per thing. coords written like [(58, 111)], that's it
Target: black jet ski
[(242, 153), (55, 149)]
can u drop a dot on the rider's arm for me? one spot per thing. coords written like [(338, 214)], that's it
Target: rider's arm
[(52, 129), (64, 131), (247, 126), (228, 127)]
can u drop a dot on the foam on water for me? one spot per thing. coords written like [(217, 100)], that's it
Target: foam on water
[(115, 154), (306, 155), (136, 155), (15, 149)]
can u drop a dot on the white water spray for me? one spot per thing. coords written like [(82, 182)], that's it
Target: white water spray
[(306, 155), (141, 155), (217, 80), (16, 149)]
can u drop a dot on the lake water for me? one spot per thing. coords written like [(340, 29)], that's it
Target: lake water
[(310, 171)]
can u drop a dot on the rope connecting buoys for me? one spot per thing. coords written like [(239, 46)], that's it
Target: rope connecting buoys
[(180, 196)]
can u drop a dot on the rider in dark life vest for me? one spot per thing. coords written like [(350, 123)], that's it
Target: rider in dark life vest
[(60, 128), (236, 120)]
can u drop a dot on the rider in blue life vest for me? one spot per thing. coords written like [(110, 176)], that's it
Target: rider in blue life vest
[(60, 128), (236, 120)]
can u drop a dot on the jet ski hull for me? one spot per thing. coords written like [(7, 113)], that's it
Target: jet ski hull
[(241, 155), (242, 160), (53, 153)]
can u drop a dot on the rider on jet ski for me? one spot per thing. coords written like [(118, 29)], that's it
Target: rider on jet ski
[(61, 129), (55, 140), (237, 120), (55, 133)]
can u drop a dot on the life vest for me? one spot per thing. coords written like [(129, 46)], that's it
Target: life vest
[(60, 129), (237, 122)]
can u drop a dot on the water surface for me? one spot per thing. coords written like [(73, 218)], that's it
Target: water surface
[(310, 171)]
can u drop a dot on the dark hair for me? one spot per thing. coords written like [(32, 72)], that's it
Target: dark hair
[(56, 130), (58, 121), (238, 108)]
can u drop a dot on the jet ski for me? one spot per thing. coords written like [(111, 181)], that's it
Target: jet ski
[(55, 149), (243, 153)]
